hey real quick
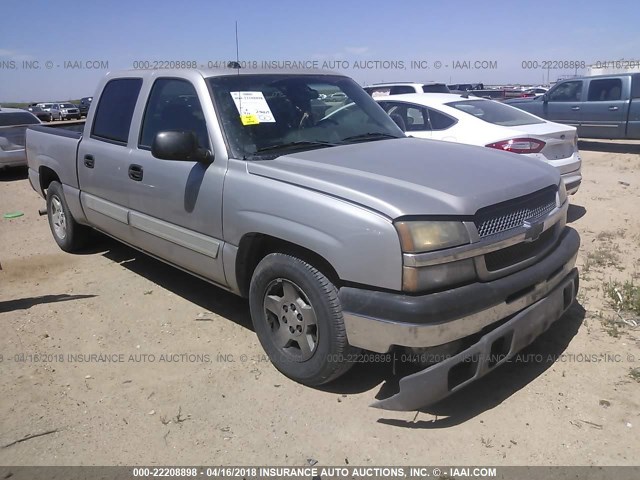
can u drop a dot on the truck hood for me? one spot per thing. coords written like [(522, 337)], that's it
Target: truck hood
[(410, 176)]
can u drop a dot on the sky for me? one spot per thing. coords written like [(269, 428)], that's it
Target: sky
[(58, 50)]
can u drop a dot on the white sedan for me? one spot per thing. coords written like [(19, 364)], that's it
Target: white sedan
[(476, 121)]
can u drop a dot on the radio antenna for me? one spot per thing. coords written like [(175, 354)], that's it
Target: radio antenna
[(237, 66), (237, 50)]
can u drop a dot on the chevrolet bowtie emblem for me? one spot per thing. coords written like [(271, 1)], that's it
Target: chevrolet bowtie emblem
[(533, 231)]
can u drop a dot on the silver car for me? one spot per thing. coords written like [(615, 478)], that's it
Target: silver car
[(65, 111), (13, 125)]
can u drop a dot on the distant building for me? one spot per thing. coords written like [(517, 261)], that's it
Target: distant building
[(614, 67)]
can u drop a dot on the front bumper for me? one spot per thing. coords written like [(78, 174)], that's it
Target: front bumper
[(572, 181), (492, 350), (377, 321)]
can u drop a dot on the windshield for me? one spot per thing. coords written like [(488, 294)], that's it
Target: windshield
[(264, 116), (495, 112), (67, 105)]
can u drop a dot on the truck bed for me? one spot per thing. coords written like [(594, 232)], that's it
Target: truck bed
[(56, 148)]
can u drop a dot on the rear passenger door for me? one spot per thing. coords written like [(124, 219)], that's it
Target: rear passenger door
[(604, 113), (103, 156), (565, 102), (176, 206)]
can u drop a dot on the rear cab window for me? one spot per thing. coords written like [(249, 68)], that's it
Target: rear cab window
[(115, 110), (635, 85), (495, 112), (606, 89)]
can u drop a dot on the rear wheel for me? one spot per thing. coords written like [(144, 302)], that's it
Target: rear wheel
[(68, 234), (297, 316)]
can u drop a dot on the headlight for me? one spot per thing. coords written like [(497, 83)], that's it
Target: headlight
[(425, 236), (562, 194)]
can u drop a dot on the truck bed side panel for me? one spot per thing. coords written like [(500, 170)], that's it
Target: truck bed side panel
[(55, 149), (633, 123)]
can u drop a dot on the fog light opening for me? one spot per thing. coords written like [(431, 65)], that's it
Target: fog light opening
[(462, 372), (499, 350)]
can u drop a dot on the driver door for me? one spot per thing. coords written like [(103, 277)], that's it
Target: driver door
[(176, 206), (564, 103)]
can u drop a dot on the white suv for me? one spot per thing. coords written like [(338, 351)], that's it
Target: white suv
[(384, 89)]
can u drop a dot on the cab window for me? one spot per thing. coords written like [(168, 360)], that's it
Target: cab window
[(607, 89), (566, 92), (115, 110), (173, 105)]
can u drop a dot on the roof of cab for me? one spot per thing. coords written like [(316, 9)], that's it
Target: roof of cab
[(217, 72)]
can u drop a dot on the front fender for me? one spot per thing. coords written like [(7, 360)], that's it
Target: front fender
[(362, 246)]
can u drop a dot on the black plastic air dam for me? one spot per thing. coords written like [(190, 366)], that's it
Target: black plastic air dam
[(442, 379)]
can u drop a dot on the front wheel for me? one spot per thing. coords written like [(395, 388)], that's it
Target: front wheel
[(68, 234), (297, 316)]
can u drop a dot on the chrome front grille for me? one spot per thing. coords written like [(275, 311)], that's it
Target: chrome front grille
[(513, 213)]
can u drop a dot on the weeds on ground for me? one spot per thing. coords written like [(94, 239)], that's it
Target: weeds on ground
[(624, 297), (603, 256), (634, 373)]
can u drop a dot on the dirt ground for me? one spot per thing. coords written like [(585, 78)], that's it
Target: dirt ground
[(178, 377)]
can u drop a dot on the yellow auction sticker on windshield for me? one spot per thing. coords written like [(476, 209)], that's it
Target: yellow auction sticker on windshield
[(253, 104), (249, 119)]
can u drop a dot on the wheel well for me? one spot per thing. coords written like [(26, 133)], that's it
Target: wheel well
[(47, 175), (255, 246)]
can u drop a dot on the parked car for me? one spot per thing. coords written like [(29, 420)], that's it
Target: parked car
[(384, 89), (85, 103), (342, 232), (603, 106), (65, 111), (40, 113), (464, 87), (498, 94), (477, 121), (534, 92), (46, 107), (13, 124)]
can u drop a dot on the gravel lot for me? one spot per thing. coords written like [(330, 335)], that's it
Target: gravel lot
[(177, 375)]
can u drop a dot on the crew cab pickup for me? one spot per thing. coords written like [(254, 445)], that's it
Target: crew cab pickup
[(602, 106), (343, 233)]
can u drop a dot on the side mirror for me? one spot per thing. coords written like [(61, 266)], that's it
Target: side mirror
[(181, 146), (545, 97)]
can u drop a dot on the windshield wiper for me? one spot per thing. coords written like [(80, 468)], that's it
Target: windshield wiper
[(369, 136), (303, 143)]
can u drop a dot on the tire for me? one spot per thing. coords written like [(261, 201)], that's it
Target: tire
[(307, 352), (68, 234)]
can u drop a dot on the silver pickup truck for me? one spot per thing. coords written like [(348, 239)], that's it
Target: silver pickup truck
[(603, 106), (343, 233)]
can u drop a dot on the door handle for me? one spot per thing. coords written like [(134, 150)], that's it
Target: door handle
[(575, 108), (135, 172), (89, 161), (613, 109)]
